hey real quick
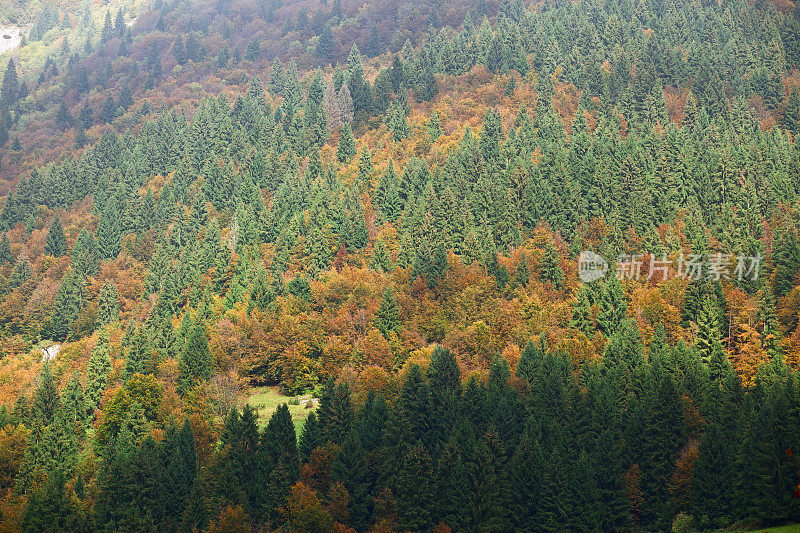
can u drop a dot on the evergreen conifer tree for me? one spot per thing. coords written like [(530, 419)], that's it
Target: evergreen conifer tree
[(196, 362), (56, 242)]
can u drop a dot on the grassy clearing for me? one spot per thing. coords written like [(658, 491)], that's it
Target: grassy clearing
[(265, 400), (794, 528)]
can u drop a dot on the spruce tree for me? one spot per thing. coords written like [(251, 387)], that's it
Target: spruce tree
[(381, 261), (335, 413), (46, 399), (69, 302), (581, 312), (550, 267), (85, 254), (73, 398), (792, 116), (139, 351), (491, 136), (434, 126), (279, 445), (49, 507), (415, 491), (708, 337), (374, 46), (398, 122), (63, 117), (310, 437), (525, 472), (5, 251), (712, 494), (108, 304), (55, 242), (351, 469), (347, 144), (387, 318), (108, 29), (196, 362), (97, 371), (326, 47), (613, 307), (9, 92), (531, 360), (108, 232)]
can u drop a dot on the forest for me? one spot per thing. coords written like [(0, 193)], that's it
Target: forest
[(378, 214)]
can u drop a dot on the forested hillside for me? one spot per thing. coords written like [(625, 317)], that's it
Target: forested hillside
[(386, 207)]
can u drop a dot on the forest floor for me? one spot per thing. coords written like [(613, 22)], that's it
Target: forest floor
[(265, 400)]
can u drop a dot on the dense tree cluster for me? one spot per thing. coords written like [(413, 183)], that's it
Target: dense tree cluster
[(628, 443)]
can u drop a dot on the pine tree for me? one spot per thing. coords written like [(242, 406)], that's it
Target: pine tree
[(196, 362), (56, 242)]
